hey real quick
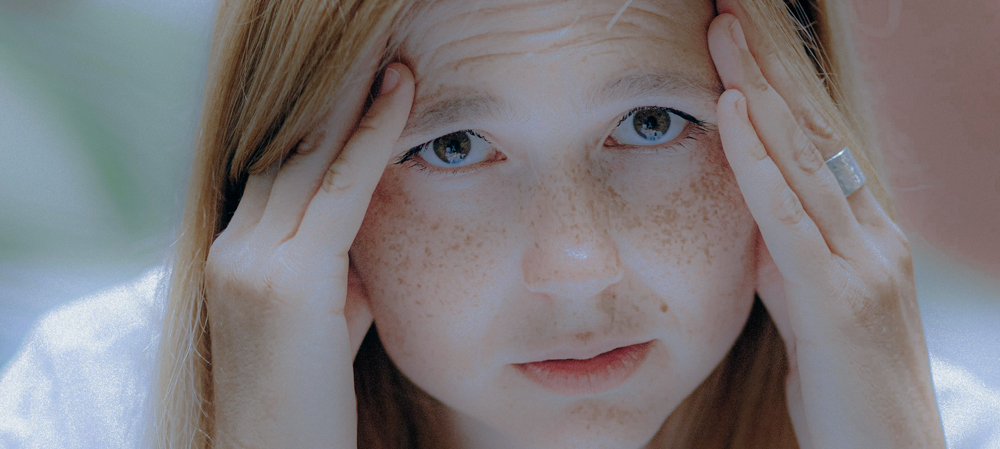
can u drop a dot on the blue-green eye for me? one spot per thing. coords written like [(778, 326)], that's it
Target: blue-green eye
[(649, 125), (458, 149), (452, 154), (468, 151)]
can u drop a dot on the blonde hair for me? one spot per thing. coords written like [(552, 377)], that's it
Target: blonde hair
[(274, 64)]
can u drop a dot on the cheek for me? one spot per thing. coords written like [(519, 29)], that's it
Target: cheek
[(437, 275), (687, 207), (428, 274), (691, 236)]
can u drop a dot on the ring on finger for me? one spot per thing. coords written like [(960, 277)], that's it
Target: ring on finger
[(847, 171)]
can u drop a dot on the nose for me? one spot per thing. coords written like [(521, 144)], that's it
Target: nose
[(573, 254)]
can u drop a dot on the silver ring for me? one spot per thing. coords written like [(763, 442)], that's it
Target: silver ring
[(847, 171)]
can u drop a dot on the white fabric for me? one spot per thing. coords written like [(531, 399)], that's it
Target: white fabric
[(82, 378)]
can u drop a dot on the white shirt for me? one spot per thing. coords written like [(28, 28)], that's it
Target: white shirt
[(82, 378)]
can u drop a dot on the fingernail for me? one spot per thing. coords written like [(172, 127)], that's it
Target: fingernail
[(389, 81), (737, 31)]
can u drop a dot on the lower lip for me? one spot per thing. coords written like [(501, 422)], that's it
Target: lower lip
[(591, 376)]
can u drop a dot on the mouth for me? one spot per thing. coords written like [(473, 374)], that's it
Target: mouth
[(572, 377)]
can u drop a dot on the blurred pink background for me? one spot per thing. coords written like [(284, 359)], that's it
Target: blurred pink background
[(933, 69)]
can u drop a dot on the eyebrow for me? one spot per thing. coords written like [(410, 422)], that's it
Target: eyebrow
[(441, 112)]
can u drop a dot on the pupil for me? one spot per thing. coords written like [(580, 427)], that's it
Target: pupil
[(651, 123), (453, 147)]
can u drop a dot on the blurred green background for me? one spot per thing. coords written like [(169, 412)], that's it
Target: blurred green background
[(98, 109)]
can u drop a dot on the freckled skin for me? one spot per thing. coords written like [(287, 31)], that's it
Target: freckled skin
[(564, 242)]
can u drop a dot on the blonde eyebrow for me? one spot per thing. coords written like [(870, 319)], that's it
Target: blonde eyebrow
[(438, 113), (647, 83)]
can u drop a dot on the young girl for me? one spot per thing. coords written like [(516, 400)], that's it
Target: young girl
[(539, 224)]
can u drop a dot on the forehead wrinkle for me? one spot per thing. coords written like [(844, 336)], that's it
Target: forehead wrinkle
[(529, 36), (465, 28), (452, 104), (450, 108), (443, 109)]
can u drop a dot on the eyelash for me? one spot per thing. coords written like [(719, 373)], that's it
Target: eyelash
[(699, 128)]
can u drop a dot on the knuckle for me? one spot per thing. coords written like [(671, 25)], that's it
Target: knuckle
[(312, 141), (215, 272), (235, 269), (813, 123), (896, 234), (337, 180), (773, 64), (758, 83), (897, 259), (306, 146), (219, 259), (757, 151), (368, 125), (221, 272), (805, 152), (756, 76), (787, 207)]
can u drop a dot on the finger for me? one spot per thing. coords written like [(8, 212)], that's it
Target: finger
[(866, 208), (869, 211), (252, 202), (792, 238), (862, 202), (791, 148), (334, 215), (302, 173)]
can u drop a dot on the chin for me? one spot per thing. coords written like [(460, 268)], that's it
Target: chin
[(612, 429), (598, 440)]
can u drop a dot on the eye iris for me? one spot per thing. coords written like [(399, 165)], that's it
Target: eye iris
[(452, 148), (651, 123)]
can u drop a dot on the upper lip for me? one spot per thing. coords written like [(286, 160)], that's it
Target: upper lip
[(581, 351)]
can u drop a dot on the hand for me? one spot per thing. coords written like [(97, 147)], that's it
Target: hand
[(287, 312), (835, 273)]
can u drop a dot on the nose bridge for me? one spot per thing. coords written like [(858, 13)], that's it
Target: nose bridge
[(573, 253)]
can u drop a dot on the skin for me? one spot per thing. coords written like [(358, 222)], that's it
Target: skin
[(566, 242)]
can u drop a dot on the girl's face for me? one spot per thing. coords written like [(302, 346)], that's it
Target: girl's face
[(555, 230)]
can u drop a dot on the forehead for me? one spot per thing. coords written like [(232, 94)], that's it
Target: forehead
[(457, 33), (502, 49), (539, 26)]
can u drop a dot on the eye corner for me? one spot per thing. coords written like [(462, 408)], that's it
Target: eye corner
[(408, 154)]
